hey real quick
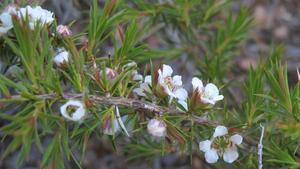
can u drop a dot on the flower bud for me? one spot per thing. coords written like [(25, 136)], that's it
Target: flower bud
[(110, 73), (157, 128), (63, 31), (111, 127), (61, 57)]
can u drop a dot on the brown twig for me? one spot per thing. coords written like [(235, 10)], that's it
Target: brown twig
[(126, 102)]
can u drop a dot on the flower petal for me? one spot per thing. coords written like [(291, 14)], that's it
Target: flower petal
[(177, 80), (167, 70), (207, 101), (139, 92), (236, 139), (197, 83), (181, 94), (205, 145), (211, 156), (220, 131), (218, 98), (157, 128), (211, 90), (230, 154), (148, 79), (183, 104), (137, 76)]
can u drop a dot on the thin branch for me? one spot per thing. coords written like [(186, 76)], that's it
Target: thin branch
[(125, 102)]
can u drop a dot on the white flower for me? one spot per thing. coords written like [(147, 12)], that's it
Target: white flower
[(6, 20), (144, 87), (61, 57), (208, 94), (221, 145), (63, 30), (157, 128), (171, 85), (36, 14), (73, 110)]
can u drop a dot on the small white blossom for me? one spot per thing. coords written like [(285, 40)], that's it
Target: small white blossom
[(221, 145), (61, 57), (171, 85), (208, 94), (6, 20), (157, 128), (73, 110), (63, 30), (36, 14)]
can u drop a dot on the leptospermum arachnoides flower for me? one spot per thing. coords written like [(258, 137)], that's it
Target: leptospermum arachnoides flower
[(36, 15), (6, 20), (221, 144), (73, 110), (208, 94)]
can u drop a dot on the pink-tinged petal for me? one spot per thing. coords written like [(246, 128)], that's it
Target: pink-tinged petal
[(197, 83), (167, 70), (205, 145), (220, 131), (236, 139), (230, 154), (181, 94), (207, 101), (157, 128), (177, 80), (211, 156)]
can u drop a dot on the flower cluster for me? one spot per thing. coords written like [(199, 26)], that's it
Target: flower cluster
[(162, 86), (33, 14)]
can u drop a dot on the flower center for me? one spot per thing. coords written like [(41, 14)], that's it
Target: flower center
[(221, 143), (169, 82), (71, 109)]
